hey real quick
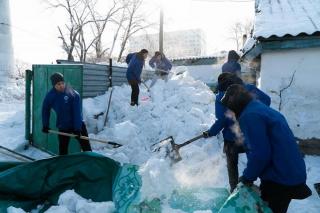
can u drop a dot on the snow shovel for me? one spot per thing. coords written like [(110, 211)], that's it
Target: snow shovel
[(115, 145), (148, 89), (172, 149), (96, 116), (145, 98)]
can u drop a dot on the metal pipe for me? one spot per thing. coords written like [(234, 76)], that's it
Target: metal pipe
[(161, 30), (16, 153), (28, 79)]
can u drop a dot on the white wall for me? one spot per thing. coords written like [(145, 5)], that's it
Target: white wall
[(6, 50), (301, 101)]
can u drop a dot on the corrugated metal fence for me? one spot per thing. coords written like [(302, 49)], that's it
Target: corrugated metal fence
[(96, 77)]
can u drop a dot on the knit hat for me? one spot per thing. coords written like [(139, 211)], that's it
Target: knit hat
[(56, 78), (227, 79)]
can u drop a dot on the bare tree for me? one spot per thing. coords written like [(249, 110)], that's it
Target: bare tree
[(238, 29), (132, 24), (20, 68), (100, 23), (77, 18), (83, 46), (119, 23)]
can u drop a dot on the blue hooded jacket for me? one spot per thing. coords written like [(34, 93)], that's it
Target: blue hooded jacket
[(67, 106), (231, 66), (163, 64), (272, 151), (225, 123), (258, 94), (135, 66)]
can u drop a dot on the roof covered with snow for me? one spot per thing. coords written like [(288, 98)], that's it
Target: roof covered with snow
[(286, 17)]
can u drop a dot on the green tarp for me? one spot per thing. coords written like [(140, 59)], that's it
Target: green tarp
[(95, 177), (25, 185)]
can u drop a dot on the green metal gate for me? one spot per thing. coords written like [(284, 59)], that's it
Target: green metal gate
[(39, 83)]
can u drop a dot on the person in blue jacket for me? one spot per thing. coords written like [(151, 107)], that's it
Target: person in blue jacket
[(224, 122), (66, 102), (135, 63), (162, 67), (272, 152), (232, 64)]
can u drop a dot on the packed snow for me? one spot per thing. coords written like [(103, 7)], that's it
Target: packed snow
[(182, 108)]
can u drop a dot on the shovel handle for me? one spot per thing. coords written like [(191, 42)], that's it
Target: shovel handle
[(145, 85), (85, 138), (189, 141)]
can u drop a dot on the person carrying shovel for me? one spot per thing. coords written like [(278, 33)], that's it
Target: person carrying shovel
[(162, 67), (225, 123), (66, 102), (135, 63)]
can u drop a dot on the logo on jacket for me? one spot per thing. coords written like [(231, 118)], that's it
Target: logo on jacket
[(66, 98)]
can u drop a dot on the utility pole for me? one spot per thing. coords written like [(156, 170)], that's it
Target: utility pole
[(161, 30), (6, 51)]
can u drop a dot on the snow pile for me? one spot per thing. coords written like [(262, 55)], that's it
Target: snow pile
[(13, 91), (181, 108), (12, 115), (71, 202)]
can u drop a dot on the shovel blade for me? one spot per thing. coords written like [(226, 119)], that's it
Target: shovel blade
[(163, 144), (170, 149)]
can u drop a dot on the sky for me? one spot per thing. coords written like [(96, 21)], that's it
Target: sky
[(35, 33)]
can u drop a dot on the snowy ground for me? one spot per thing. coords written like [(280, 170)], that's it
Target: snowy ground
[(181, 108)]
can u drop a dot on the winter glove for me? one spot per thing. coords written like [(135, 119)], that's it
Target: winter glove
[(245, 181), (77, 133), (45, 129), (206, 134)]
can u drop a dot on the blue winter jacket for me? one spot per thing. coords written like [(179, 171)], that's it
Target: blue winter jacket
[(231, 66), (163, 64), (67, 106), (258, 94), (128, 58), (272, 151), (135, 66), (224, 122)]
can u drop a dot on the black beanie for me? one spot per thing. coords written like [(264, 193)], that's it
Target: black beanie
[(228, 79), (56, 77)]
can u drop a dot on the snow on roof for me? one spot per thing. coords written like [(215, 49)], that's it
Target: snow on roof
[(248, 45), (286, 17)]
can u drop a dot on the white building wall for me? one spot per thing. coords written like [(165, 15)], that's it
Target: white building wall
[(301, 101), (6, 50), (177, 44)]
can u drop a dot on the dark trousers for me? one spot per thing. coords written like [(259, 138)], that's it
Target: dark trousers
[(64, 141), (276, 197), (232, 151), (134, 93), (279, 196)]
